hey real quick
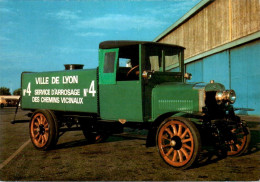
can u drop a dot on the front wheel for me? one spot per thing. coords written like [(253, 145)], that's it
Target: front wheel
[(240, 142), (43, 130), (178, 142)]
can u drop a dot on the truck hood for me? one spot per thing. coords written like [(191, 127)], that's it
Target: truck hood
[(208, 86), (196, 85), (181, 97)]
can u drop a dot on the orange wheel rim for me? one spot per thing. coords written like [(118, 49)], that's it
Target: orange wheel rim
[(237, 146), (39, 130), (176, 143)]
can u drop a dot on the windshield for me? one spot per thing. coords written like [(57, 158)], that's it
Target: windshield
[(162, 58)]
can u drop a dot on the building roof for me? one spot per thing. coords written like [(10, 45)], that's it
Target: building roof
[(122, 43), (188, 15)]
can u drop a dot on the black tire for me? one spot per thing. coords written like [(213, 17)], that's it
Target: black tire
[(241, 143), (91, 133), (178, 142), (55, 141), (43, 130), (2, 105)]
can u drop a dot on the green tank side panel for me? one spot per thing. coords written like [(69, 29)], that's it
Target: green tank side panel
[(70, 90), (170, 97)]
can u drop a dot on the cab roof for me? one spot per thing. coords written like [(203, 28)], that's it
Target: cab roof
[(123, 43)]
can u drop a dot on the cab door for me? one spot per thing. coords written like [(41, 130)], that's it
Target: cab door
[(119, 100)]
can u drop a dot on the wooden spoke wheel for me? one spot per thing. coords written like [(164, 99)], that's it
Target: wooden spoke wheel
[(240, 143), (178, 142), (94, 137), (91, 133), (43, 131)]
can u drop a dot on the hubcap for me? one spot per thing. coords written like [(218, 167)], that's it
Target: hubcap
[(176, 143), (173, 143), (41, 129)]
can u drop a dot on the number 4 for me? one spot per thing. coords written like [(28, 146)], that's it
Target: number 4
[(28, 90), (92, 88)]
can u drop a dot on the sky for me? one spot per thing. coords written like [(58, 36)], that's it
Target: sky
[(42, 36)]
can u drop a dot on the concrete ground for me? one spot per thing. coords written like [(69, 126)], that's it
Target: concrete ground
[(121, 157)]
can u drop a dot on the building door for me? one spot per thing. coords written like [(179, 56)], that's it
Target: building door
[(245, 64)]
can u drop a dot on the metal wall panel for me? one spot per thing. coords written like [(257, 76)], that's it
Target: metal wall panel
[(216, 67), (245, 75), (237, 69), (196, 69)]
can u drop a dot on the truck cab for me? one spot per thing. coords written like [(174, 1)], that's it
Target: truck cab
[(128, 71)]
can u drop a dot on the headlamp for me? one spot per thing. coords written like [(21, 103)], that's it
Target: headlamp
[(231, 96), (225, 96)]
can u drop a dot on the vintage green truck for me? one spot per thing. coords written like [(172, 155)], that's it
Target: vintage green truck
[(132, 88)]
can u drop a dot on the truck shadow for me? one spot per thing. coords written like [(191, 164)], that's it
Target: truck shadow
[(209, 156), (72, 144), (83, 142), (20, 121)]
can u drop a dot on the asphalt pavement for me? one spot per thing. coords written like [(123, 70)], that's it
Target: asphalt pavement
[(121, 157)]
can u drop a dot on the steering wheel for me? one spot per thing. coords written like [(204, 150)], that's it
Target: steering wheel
[(132, 70)]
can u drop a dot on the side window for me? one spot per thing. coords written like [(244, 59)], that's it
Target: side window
[(109, 62), (125, 62), (155, 63), (172, 59)]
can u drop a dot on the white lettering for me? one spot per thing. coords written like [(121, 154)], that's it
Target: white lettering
[(70, 79), (65, 91), (55, 80), (85, 92), (28, 90), (42, 80), (35, 99), (72, 100), (50, 100), (42, 92), (91, 89)]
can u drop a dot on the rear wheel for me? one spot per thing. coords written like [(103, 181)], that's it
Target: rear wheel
[(240, 143), (43, 130), (178, 142), (91, 133)]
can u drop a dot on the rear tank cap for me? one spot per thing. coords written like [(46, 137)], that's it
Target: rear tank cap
[(73, 66)]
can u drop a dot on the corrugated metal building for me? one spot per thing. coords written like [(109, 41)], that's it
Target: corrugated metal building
[(222, 40)]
